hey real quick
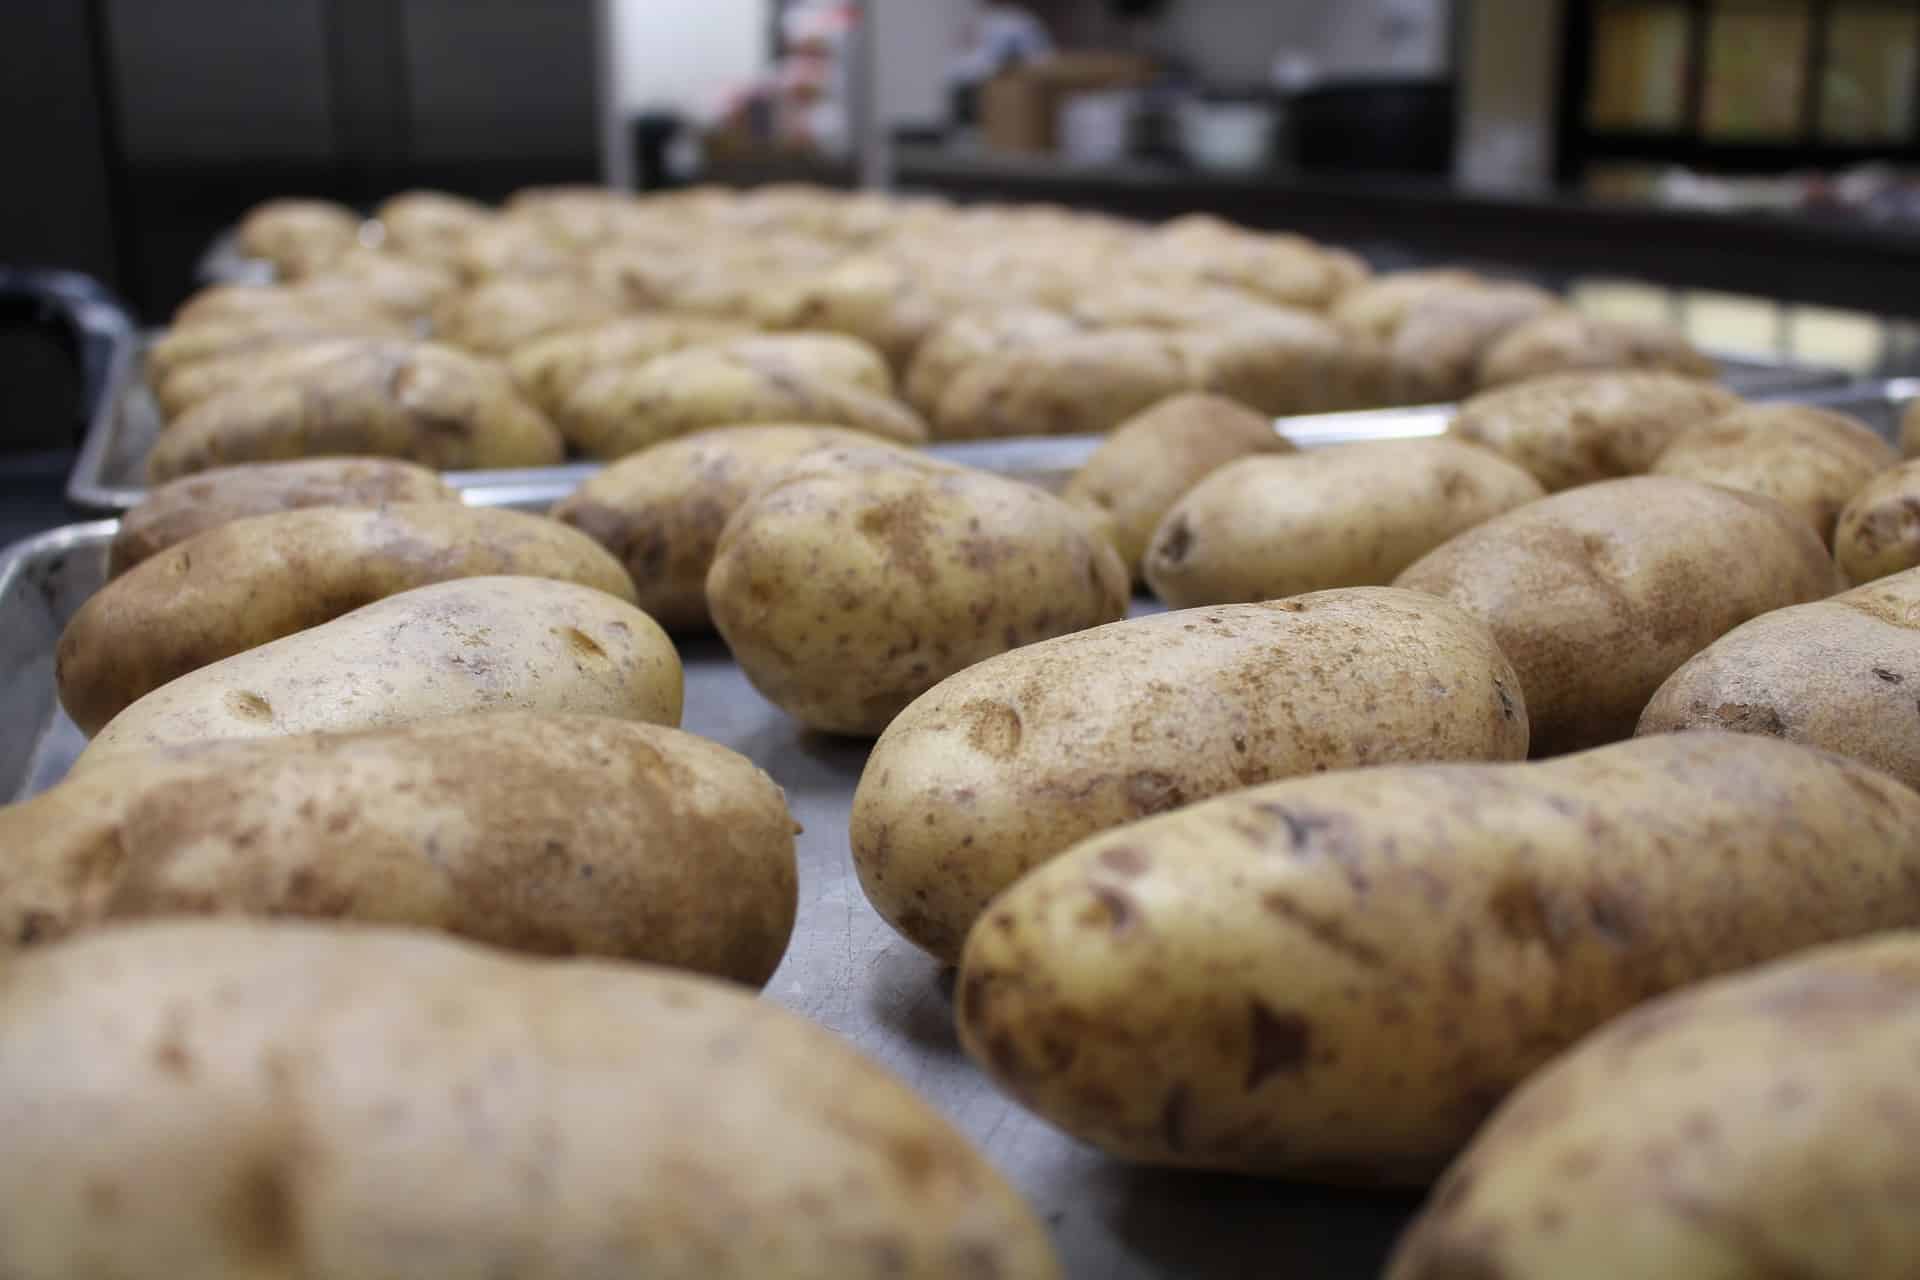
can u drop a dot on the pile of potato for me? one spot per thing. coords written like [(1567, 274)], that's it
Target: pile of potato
[(583, 321), (1528, 811)]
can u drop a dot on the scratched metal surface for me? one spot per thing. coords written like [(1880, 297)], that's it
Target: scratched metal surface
[(845, 969)]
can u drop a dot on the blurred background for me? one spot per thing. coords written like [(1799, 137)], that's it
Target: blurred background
[(1744, 168)]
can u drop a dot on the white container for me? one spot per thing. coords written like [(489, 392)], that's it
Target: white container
[(1227, 137), (1095, 128)]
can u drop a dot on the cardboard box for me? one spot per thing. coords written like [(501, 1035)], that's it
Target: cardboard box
[(1018, 107)]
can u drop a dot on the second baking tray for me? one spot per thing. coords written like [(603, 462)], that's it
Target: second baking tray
[(845, 969), (110, 474)]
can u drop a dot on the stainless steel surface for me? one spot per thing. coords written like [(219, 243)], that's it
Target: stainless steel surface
[(845, 969), (110, 474), (1879, 403)]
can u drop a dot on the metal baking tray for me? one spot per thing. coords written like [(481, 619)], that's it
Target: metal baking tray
[(110, 473), (845, 969)]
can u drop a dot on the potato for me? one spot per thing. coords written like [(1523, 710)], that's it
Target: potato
[(771, 379), (878, 302), (1575, 428), (1286, 269), (358, 1103), (1757, 1125), (1086, 384), (404, 287), (1811, 460), (1842, 674), (1350, 516), (205, 380), (1134, 304), (1436, 350), (1600, 593), (1004, 766), (244, 583), (262, 306), (177, 511), (1140, 471), (857, 579), (1285, 364), (429, 226), (571, 213), (494, 317), (1376, 308), (566, 835), (473, 644), (418, 401), (661, 510), (1335, 978), (1878, 532), (181, 349), (1565, 341), (507, 247), (974, 335), (297, 235), (548, 368)]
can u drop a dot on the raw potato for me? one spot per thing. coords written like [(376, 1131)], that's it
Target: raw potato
[(777, 379), (291, 360), (1286, 269), (1350, 516), (1842, 674), (1086, 384), (975, 335), (1563, 341), (548, 368), (1004, 766), (1286, 364), (1435, 352), (494, 317), (565, 835), (403, 287), (474, 644), (359, 1103), (430, 226), (1812, 460), (1156, 456), (858, 579), (509, 247), (1376, 308), (1335, 978), (177, 511), (1575, 428), (661, 510), (260, 306), (418, 401), (250, 581), (1776, 1105), (878, 302), (182, 349), (1600, 593), (296, 235), (1878, 532)]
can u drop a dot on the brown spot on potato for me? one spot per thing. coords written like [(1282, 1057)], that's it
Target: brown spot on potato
[(1891, 677), (993, 728), (903, 527), (1124, 860), (1150, 791), (1117, 911), (1177, 541), (1520, 911), (1279, 1042), (263, 1212), (1327, 931), (103, 1197), (248, 705), (172, 1058), (35, 925), (583, 645), (1612, 917), (1301, 828)]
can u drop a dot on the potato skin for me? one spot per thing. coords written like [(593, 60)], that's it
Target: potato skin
[(1600, 593), (975, 335), (1350, 516), (250, 581), (371, 1102), (770, 379), (1812, 460), (495, 316), (1002, 767), (548, 367), (1841, 674), (564, 835), (661, 510), (1563, 341), (858, 579), (1336, 977), (473, 644), (1377, 308), (1085, 384), (1878, 532), (1575, 428), (416, 401), (191, 505), (1436, 349), (1776, 1104), (298, 235), (208, 379), (1156, 456)]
